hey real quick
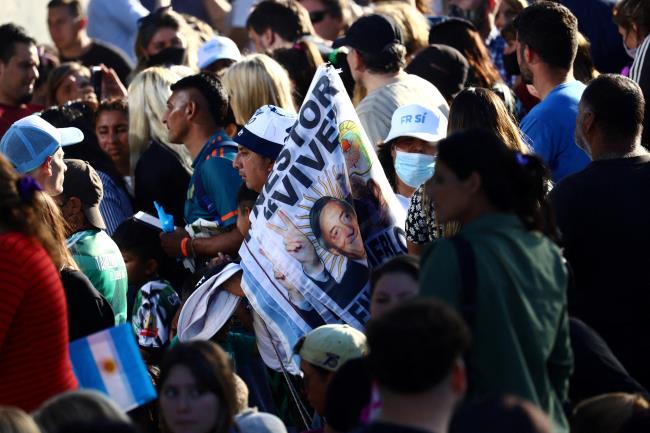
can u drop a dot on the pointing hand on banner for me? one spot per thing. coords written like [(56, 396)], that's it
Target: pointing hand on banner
[(280, 275), (298, 245)]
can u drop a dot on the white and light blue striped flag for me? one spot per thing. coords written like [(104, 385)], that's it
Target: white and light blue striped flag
[(109, 362)]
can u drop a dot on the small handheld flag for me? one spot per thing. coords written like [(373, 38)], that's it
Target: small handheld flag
[(109, 362)]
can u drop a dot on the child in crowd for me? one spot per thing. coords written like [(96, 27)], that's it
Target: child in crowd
[(152, 301)]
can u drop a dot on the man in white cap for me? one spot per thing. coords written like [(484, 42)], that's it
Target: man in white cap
[(322, 352), (260, 142), (34, 147), (217, 54)]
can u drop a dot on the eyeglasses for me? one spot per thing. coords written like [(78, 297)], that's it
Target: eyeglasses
[(317, 16)]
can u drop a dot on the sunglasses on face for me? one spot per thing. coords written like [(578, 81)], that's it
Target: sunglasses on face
[(317, 16)]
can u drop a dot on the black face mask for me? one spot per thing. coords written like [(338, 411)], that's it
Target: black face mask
[(510, 64), (168, 56)]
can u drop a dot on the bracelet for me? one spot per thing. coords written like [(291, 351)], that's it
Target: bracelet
[(184, 246)]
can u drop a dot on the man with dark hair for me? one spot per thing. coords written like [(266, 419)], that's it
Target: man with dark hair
[(547, 37), (415, 357), (334, 224), (195, 116), (376, 56), (259, 143), (67, 24), (604, 216), (18, 74), (277, 24)]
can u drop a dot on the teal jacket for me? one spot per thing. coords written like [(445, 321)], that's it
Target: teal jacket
[(521, 340)]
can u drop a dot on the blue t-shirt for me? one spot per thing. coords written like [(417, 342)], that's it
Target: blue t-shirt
[(550, 127), (212, 193)]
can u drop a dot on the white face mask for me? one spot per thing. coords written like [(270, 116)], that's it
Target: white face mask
[(630, 51)]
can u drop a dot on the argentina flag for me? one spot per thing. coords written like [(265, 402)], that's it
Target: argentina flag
[(109, 362)]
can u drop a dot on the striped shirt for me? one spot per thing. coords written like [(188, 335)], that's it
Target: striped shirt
[(115, 206), (34, 360), (639, 60)]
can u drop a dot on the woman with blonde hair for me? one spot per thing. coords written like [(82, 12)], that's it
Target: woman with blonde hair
[(413, 25), (255, 81), (162, 169)]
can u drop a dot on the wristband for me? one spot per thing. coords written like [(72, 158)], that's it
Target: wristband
[(184, 246), (192, 252)]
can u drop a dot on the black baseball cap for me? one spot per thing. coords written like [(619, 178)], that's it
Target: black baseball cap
[(371, 34)]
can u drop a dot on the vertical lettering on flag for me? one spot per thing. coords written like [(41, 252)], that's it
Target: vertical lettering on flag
[(325, 217)]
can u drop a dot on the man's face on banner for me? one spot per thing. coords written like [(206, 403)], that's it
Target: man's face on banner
[(340, 230)]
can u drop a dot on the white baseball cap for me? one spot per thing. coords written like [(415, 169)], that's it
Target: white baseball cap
[(417, 121), (331, 346), (266, 131), (220, 47), (30, 140), (208, 308)]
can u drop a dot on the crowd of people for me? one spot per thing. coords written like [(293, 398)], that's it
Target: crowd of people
[(513, 133)]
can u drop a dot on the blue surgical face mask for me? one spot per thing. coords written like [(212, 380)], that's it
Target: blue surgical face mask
[(414, 168)]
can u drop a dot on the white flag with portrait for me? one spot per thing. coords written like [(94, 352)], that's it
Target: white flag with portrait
[(325, 217)]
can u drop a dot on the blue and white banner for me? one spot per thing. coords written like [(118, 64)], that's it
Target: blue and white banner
[(110, 362), (325, 217)]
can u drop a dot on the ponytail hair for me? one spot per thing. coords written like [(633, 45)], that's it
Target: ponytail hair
[(512, 181), (21, 209)]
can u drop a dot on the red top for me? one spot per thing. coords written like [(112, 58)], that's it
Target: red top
[(8, 115), (34, 360)]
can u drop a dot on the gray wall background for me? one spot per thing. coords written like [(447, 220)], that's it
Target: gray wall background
[(31, 14)]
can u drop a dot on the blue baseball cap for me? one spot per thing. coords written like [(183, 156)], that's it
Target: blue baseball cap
[(31, 140)]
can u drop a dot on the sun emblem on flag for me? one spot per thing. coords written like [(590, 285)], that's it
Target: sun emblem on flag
[(332, 184), (356, 157), (108, 366)]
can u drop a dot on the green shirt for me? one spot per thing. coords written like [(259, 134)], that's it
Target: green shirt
[(521, 341), (100, 260)]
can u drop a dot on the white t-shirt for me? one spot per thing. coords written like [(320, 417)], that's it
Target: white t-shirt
[(404, 201), (376, 109)]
